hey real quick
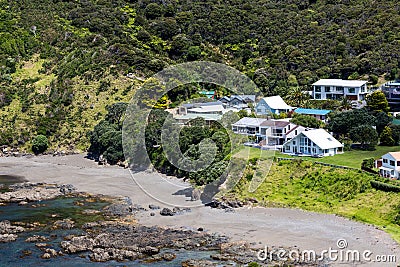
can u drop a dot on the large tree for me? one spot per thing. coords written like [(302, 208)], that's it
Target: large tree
[(376, 101), (343, 122), (365, 135)]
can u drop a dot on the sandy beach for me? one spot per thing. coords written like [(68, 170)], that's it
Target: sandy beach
[(259, 226)]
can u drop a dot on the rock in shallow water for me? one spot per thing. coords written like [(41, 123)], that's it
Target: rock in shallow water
[(4, 238)]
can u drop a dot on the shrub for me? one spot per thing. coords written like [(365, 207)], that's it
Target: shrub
[(40, 144), (384, 186)]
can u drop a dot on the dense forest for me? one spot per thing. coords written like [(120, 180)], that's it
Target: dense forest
[(63, 63)]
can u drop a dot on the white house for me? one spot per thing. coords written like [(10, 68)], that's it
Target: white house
[(277, 132), (316, 142), (272, 105), (338, 88), (269, 132), (248, 126), (389, 165)]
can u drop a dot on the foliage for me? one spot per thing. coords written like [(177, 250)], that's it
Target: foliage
[(106, 137), (386, 137), (376, 101), (306, 121), (367, 163), (40, 144), (385, 186), (63, 62), (365, 135), (343, 122)]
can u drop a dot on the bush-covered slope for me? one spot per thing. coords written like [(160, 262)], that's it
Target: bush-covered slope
[(62, 62)]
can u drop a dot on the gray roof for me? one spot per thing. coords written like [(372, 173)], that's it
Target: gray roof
[(247, 121), (201, 104), (275, 123)]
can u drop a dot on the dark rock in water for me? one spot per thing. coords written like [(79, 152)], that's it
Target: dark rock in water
[(46, 256), (198, 263), (154, 207), (126, 242), (168, 256), (118, 209), (64, 224), (200, 229), (152, 214), (7, 228), (167, 212), (36, 238), (67, 188), (4, 238)]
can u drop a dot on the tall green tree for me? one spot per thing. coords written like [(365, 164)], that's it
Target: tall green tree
[(376, 101), (386, 137), (365, 135)]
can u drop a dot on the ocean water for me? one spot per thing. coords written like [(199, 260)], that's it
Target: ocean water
[(47, 212)]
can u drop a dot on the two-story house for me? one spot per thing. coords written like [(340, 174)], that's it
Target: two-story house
[(392, 92), (268, 131), (389, 165), (317, 142), (272, 105), (337, 89), (248, 126)]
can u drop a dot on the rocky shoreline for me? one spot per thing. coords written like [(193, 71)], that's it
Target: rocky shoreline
[(118, 236)]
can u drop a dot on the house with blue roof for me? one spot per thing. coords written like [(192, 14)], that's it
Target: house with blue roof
[(320, 114)]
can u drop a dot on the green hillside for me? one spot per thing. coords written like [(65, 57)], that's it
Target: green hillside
[(63, 62)]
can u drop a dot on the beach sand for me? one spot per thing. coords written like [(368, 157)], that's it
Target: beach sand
[(259, 226)]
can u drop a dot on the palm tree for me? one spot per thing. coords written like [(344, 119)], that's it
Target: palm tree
[(297, 97), (345, 104)]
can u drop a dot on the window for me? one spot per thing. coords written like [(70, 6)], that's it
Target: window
[(327, 88), (398, 163), (392, 163), (339, 88), (329, 96), (352, 90), (385, 161), (259, 110), (294, 142), (317, 88), (317, 96)]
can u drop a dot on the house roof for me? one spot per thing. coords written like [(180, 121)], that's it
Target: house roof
[(340, 82), (201, 104), (322, 138), (310, 111), (205, 109), (207, 117), (275, 123), (240, 97), (247, 121), (276, 102), (395, 155)]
